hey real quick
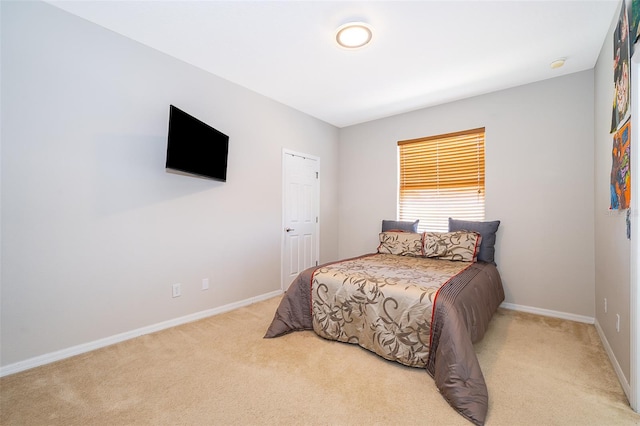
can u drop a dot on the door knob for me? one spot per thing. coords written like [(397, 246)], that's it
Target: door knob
[(289, 229)]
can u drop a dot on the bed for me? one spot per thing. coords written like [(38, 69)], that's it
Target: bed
[(422, 299)]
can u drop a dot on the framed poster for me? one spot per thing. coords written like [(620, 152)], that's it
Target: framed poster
[(635, 23), (620, 70), (621, 168)]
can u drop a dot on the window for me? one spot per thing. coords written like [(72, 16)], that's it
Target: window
[(441, 177)]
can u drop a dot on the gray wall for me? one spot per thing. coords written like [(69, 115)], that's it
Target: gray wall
[(94, 231), (539, 183), (612, 267)]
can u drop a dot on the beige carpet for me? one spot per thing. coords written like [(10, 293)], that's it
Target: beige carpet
[(220, 371)]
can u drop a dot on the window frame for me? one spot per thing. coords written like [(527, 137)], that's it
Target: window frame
[(457, 173)]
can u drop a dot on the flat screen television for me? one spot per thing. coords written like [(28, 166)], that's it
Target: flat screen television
[(196, 148)]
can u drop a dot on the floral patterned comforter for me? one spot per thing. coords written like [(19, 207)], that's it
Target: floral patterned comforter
[(383, 303), (404, 310)]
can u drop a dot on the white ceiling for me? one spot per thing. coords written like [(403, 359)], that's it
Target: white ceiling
[(423, 53)]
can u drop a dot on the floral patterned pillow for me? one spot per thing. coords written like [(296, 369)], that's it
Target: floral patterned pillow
[(457, 245), (401, 243)]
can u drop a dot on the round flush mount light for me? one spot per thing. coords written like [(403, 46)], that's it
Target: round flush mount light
[(558, 63), (354, 35)]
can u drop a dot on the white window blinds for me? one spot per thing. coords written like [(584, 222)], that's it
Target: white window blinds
[(441, 177)]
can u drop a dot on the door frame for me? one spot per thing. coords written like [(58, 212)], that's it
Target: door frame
[(283, 225)]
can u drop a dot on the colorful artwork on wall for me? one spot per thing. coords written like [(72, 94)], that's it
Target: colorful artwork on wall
[(635, 23), (621, 168), (621, 70)]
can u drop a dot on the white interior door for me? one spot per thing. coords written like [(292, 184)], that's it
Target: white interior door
[(301, 181)]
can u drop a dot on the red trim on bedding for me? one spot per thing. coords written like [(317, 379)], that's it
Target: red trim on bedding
[(435, 300), (476, 251)]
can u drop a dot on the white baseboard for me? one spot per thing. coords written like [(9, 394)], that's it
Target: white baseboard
[(623, 380), (107, 341), (548, 313)]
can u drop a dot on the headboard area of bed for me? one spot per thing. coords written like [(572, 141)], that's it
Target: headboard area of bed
[(457, 244)]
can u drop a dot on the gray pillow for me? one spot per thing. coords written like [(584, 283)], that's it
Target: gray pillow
[(488, 232), (396, 225)]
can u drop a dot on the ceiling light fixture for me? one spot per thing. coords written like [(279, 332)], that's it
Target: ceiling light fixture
[(558, 63), (354, 35)]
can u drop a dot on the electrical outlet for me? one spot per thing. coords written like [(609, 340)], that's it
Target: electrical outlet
[(205, 283), (605, 305), (618, 323), (177, 290)]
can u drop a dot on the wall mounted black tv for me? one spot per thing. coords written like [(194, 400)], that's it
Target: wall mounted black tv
[(196, 148)]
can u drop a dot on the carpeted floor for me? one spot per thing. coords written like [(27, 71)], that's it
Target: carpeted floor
[(220, 371)]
